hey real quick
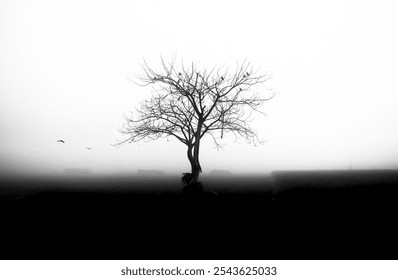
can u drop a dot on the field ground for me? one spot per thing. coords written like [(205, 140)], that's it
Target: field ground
[(288, 215)]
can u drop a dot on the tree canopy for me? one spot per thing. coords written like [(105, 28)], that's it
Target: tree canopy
[(188, 98)]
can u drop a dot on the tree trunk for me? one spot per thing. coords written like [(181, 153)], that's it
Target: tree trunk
[(195, 173), (195, 165), (196, 168), (193, 157)]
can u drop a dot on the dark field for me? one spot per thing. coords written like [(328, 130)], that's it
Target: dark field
[(287, 215)]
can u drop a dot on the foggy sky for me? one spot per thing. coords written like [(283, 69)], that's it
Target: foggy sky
[(65, 69)]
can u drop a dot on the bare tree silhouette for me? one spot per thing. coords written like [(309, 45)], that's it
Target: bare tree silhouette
[(190, 103)]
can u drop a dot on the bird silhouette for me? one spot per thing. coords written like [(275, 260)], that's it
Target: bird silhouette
[(247, 73), (88, 148), (61, 141)]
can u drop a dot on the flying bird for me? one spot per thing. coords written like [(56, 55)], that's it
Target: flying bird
[(88, 148), (61, 141)]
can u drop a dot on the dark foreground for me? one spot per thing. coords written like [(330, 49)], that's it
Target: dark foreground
[(291, 215)]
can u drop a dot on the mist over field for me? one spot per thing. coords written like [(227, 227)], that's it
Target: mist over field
[(66, 71)]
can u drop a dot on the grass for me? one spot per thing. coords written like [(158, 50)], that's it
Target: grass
[(290, 215)]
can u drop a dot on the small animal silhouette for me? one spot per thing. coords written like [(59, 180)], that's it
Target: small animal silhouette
[(186, 178), (88, 148), (61, 141)]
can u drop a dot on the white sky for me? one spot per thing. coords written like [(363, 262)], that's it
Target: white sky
[(64, 68)]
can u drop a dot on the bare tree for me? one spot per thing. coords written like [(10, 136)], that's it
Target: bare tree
[(190, 103)]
